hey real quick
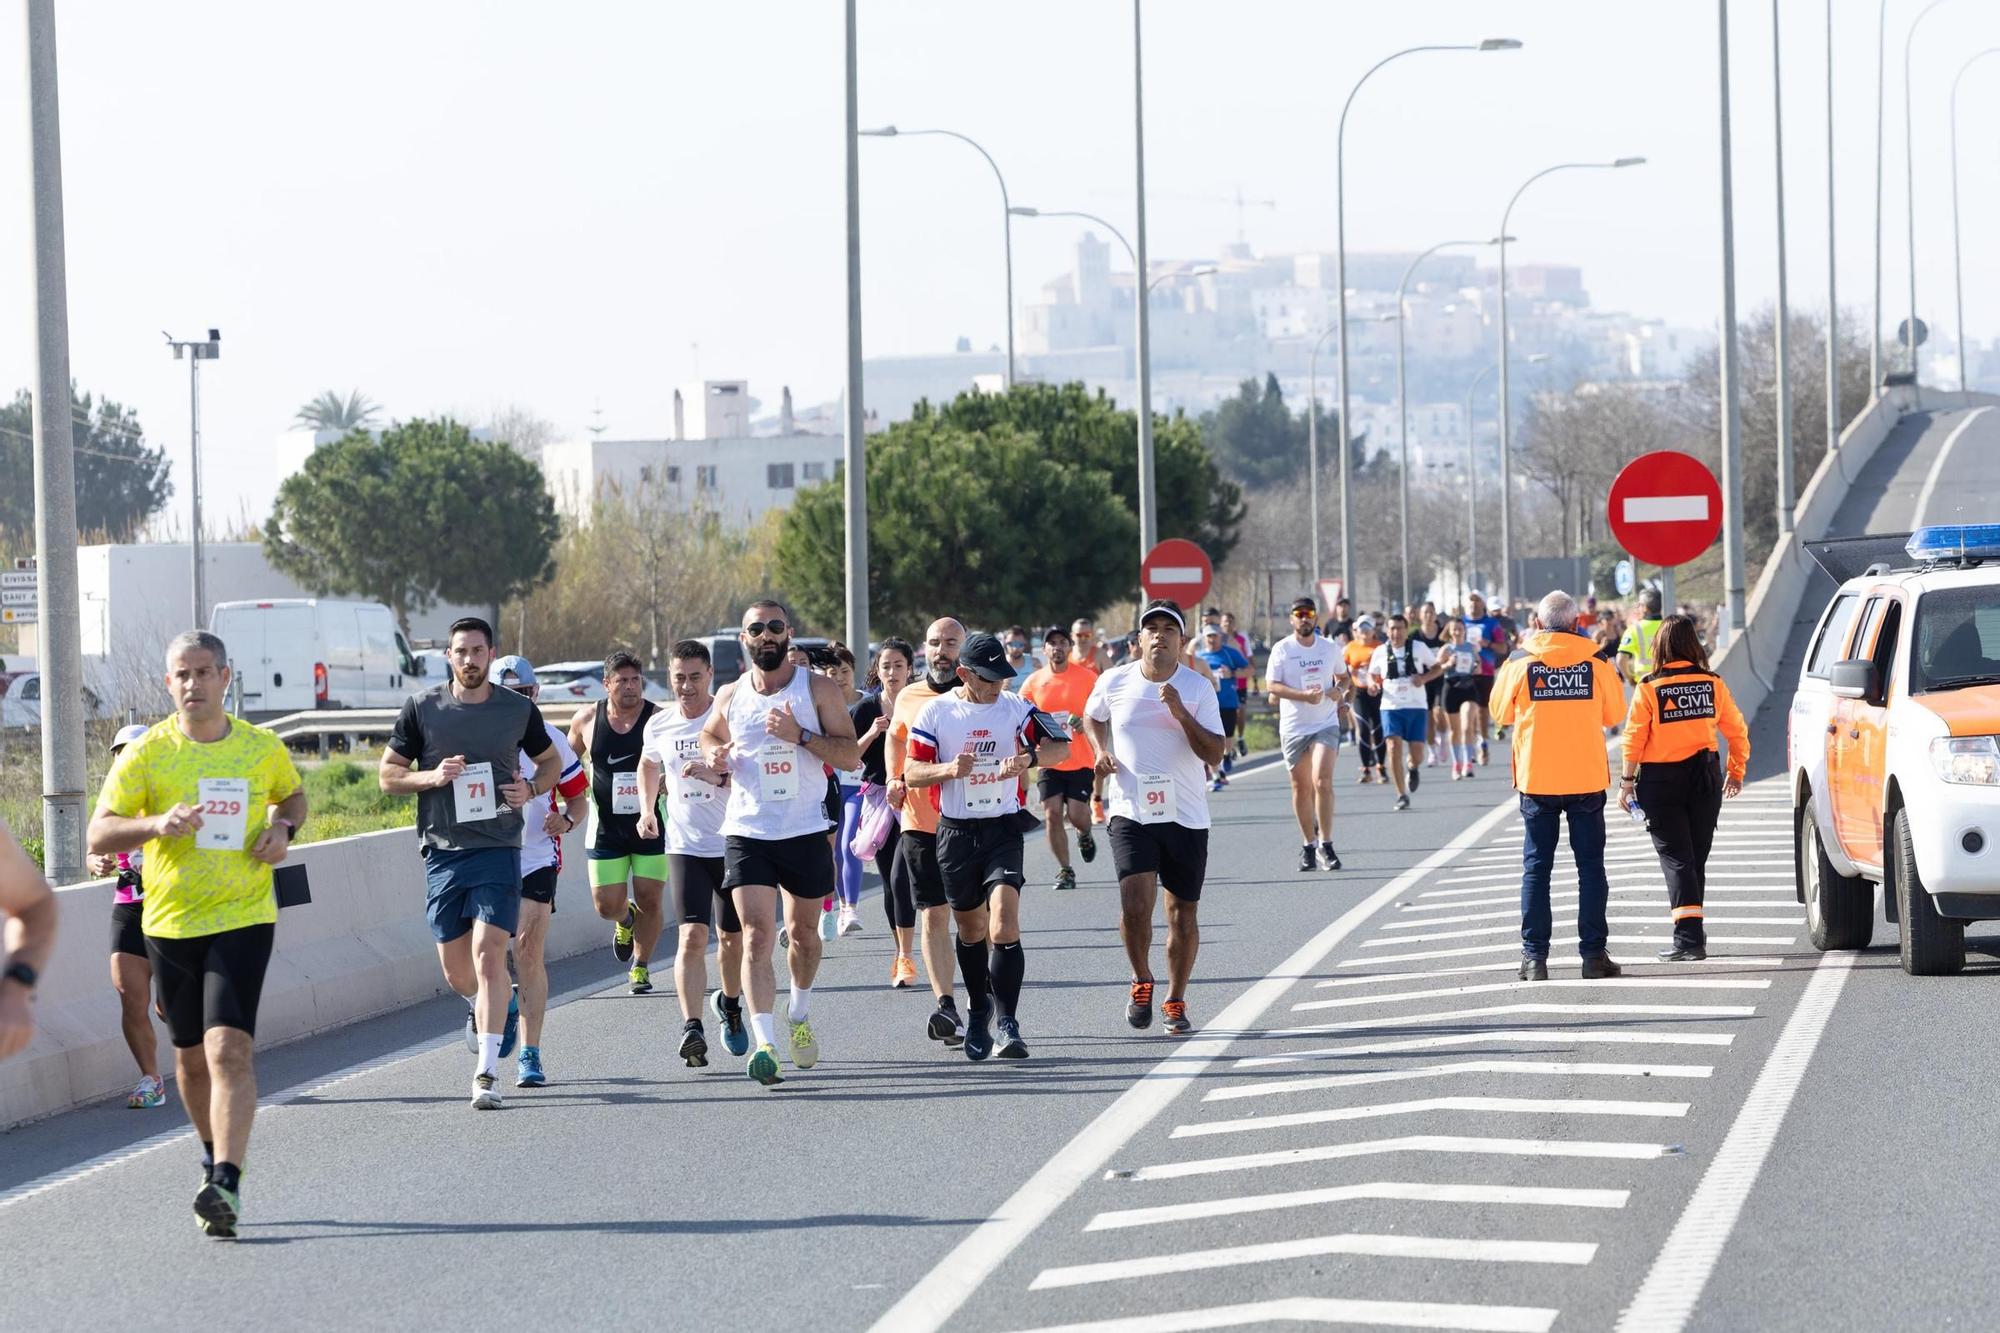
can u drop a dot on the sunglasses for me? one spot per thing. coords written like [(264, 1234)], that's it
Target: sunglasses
[(772, 627), (1305, 615)]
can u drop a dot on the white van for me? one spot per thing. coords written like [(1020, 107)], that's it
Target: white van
[(293, 654)]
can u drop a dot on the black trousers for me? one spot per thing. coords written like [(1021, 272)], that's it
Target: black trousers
[(1368, 729), (1682, 801)]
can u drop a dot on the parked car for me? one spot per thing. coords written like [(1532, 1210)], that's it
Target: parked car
[(1893, 744), (294, 654), (725, 651), (584, 682), (21, 700)]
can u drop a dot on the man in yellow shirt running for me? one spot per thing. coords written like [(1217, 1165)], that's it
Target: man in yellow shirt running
[(215, 802)]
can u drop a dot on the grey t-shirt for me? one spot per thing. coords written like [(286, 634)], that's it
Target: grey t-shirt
[(434, 726)]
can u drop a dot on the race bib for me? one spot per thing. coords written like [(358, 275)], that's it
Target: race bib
[(982, 787), (224, 804), (472, 793), (625, 793), (777, 771), (1155, 798), (1464, 658)]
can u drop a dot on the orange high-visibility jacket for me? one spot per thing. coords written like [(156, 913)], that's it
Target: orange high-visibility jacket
[(1559, 698), (1678, 713)]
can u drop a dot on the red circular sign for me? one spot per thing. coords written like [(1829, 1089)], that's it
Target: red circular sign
[(1665, 508), (1179, 569)]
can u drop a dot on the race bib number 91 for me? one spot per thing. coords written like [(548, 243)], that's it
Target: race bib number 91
[(1155, 798)]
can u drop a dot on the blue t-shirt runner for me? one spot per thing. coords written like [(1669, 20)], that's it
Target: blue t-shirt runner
[(1225, 661)]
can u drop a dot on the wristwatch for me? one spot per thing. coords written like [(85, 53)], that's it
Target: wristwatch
[(22, 973), (291, 829), (806, 738)]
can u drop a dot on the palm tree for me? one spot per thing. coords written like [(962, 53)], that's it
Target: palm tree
[(330, 411)]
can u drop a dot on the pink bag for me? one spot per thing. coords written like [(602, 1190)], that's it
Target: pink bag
[(876, 823)]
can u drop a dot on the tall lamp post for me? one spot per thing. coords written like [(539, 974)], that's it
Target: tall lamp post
[(1340, 273), (1403, 397), (1781, 351), (1910, 174), (1506, 386), (1006, 216), (1957, 271), (1312, 455), (196, 352), (1832, 266), (1472, 468), (854, 450), (1732, 441)]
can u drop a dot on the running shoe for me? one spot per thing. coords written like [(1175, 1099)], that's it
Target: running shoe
[(1096, 814), (485, 1095), (1483, 755), (735, 1034), (1065, 877), (216, 1210), (642, 979), (1402, 802), (784, 937), (511, 1033), (1382, 775), (528, 1073), (1218, 784), (1307, 861), (1329, 858), (1012, 1047), (902, 972), (471, 1031), (1242, 750), (1415, 775), (850, 920), (1470, 771), (1087, 844), (694, 1044), (946, 1026), (763, 1066), (1176, 1023), (978, 1035), (805, 1046), (1365, 778), (150, 1093), (1139, 1013), (826, 923), (621, 934)]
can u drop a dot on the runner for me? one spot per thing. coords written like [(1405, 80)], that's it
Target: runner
[(916, 850), (131, 969), (1461, 663), (1398, 675), (696, 795), (772, 729), (608, 736), (1303, 679), (1428, 630), (847, 866), (542, 827), (26, 937), (1060, 689), (1245, 680), (887, 678), (1488, 633), (215, 802), (1019, 661), (448, 744), (973, 751), (1225, 662), (1366, 705), (1157, 728)]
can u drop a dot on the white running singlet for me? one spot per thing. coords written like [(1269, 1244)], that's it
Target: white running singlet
[(776, 790)]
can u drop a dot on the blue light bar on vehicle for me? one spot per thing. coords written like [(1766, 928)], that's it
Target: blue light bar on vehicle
[(1955, 541)]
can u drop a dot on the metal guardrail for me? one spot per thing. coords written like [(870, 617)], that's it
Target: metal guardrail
[(326, 723)]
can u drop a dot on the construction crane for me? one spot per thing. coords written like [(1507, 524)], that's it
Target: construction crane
[(1241, 204)]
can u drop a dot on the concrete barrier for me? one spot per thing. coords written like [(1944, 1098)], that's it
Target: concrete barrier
[(1752, 655), (359, 948)]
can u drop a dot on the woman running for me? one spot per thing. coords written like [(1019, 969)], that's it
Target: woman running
[(1461, 698), (131, 969), (1428, 630), (847, 866), (887, 675)]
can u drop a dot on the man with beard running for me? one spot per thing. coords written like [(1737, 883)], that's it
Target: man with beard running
[(696, 797), (1060, 689), (772, 730), (608, 736), (1303, 679), (916, 849)]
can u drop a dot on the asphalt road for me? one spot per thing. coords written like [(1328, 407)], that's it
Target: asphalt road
[(1374, 1126)]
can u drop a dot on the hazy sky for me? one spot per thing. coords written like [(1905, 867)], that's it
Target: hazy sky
[(459, 205)]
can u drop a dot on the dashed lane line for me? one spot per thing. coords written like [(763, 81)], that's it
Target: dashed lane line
[(1528, 1036), (1327, 1310), (1488, 988), (1413, 1143), (1556, 1068), (1407, 1191), (1573, 1253)]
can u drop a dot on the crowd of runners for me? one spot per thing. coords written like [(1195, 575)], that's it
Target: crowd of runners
[(743, 817)]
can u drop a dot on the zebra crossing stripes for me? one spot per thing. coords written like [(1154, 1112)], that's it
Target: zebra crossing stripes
[(1406, 1191), (1390, 1247)]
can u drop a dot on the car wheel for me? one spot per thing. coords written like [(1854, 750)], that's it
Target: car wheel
[(1933, 945), (1840, 909)]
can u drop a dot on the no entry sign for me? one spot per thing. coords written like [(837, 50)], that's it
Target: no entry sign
[(1666, 508), (1179, 569)]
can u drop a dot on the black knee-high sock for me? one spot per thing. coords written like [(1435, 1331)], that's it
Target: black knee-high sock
[(1009, 963), (972, 966)]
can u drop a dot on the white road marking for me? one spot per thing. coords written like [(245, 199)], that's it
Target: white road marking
[(1398, 941), (1533, 1196), (1467, 950), (1502, 1010), (1666, 1299), (1375, 978), (1487, 988), (1560, 1068), (1772, 895), (1327, 1310), (1937, 466), (1383, 1247), (1728, 918), (1424, 1143), (1531, 1036), (1426, 1105), (930, 1304)]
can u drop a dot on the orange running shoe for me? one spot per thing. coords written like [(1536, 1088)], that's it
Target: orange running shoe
[(1175, 1013), (903, 972), (1139, 1013)]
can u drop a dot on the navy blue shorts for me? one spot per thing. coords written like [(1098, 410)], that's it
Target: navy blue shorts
[(483, 884)]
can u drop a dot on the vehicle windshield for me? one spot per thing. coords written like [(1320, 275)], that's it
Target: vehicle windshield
[(1958, 639)]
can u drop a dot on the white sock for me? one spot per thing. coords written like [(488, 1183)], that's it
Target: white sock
[(489, 1053), (800, 1002), (760, 1024)]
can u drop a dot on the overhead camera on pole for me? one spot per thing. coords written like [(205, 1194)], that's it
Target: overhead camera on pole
[(196, 352)]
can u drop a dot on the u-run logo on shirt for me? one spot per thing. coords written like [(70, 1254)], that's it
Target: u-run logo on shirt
[(1687, 701), (1547, 684)]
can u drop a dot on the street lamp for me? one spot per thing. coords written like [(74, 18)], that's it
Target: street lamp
[(1506, 431), (1202, 272), (1472, 468), (1780, 351), (1403, 396), (1958, 273), (196, 352), (1910, 177), (1312, 453), (1006, 217), (1340, 271)]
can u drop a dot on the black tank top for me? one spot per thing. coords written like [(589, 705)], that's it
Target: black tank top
[(611, 752)]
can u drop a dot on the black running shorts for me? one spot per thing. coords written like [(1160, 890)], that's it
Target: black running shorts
[(699, 897), (125, 934), (539, 886), (801, 866), (1071, 784), (211, 981), (916, 865), (975, 854), (1176, 853)]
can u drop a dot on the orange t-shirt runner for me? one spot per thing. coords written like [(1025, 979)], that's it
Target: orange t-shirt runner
[(1063, 695)]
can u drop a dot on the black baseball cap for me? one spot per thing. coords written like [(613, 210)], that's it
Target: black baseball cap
[(1163, 606), (985, 657), (1057, 632), (1304, 604)]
